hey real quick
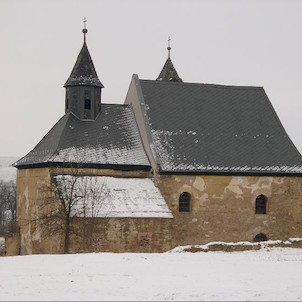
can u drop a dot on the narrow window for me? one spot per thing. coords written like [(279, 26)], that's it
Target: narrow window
[(87, 104), (261, 204), (184, 202), (260, 237)]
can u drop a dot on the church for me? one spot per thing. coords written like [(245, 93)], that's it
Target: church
[(177, 164)]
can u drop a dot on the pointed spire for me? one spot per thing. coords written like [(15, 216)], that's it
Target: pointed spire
[(83, 87), (169, 73), (83, 72)]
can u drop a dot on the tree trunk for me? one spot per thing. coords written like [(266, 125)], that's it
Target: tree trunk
[(67, 236)]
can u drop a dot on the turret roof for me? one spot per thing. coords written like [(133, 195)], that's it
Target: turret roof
[(83, 72), (169, 73)]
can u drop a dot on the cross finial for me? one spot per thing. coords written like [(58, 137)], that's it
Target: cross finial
[(84, 29), (169, 48)]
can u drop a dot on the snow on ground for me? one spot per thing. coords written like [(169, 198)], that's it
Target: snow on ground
[(267, 274)]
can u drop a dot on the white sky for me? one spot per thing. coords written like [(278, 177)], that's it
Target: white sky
[(231, 42), (264, 275)]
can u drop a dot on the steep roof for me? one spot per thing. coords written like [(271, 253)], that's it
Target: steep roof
[(216, 129), (169, 73), (83, 72), (112, 141)]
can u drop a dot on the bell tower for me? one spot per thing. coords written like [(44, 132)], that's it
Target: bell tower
[(83, 87)]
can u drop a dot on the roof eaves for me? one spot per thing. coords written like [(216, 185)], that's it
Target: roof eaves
[(231, 173), (53, 164)]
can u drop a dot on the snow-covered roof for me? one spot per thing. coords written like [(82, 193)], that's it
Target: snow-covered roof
[(103, 196), (111, 141)]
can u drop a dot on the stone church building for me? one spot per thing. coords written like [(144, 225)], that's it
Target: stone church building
[(177, 164)]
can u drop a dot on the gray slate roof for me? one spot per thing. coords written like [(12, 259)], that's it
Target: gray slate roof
[(111, 140), (216, 129), (83, 72)]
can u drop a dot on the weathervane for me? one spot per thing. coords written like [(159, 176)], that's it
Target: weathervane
[(85, 29), (169, 48)]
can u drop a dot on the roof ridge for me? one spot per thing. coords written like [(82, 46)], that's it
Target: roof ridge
[(68, 115), (202, 84), (49, 156)]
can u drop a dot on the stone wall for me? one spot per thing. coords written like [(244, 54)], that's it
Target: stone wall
[(28, 183), (223, 207), (140, 235), (115, 235), (12, 244)]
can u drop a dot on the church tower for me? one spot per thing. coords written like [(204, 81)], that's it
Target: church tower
[(83, 87), (169, 73)]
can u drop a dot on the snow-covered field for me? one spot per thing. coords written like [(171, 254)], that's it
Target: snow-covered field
[(273, 274), (7, 172)]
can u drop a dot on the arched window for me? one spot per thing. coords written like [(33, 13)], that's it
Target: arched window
[(261, 204), (184, 202), (260, 237)]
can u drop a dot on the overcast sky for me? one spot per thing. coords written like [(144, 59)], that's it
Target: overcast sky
[(229, 42)]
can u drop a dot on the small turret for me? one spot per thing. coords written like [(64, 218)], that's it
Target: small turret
[(169, 73), (83, 87)]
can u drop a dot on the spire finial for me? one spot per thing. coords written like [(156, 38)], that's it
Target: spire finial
[(169, 48), (84, 29)]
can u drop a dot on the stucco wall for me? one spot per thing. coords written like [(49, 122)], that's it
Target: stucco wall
[(223, 207)]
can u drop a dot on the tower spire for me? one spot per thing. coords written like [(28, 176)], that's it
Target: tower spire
[(168, 73), (83, 87), (169, 47), (85, 29)]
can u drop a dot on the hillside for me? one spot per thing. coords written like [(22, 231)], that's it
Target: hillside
[(7, 172)]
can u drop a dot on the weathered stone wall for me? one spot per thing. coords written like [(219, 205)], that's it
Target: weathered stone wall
[(123, 235), (12, 244), (28, 183), (118, 235), (223, 207)]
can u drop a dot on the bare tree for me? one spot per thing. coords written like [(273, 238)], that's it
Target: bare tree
[(95, 204), (68, 205), (7, 205)]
